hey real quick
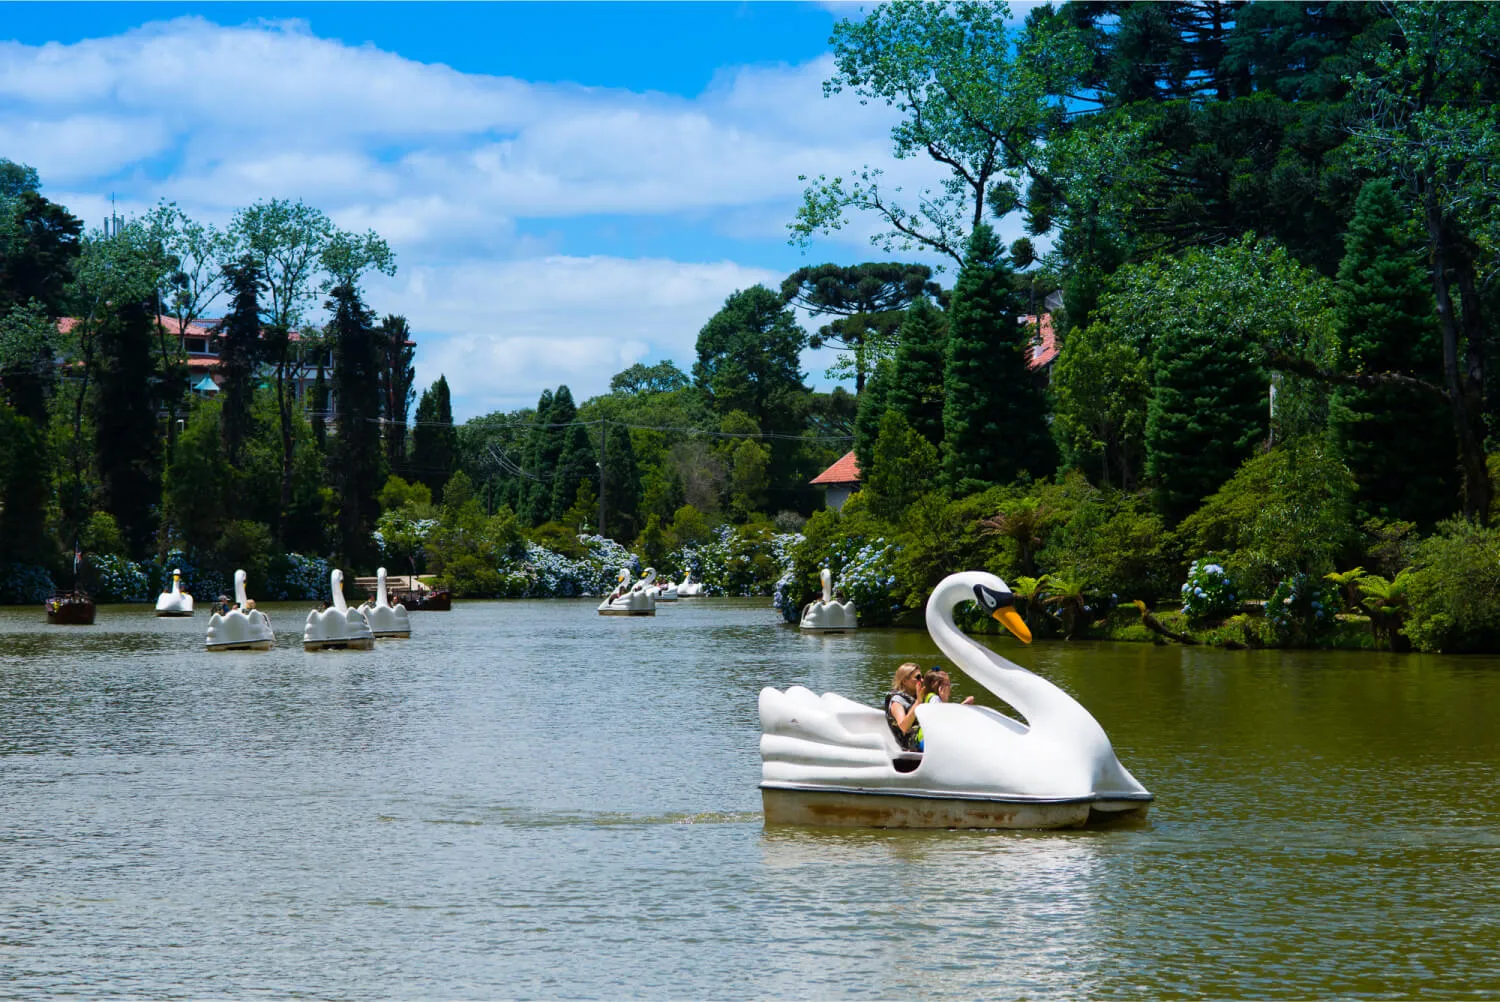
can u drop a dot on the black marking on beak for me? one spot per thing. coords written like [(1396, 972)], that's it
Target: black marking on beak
[(991, 600)]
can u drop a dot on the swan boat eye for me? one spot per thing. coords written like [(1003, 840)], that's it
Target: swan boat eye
[(991, 599)]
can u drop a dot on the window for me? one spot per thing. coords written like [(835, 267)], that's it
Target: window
[(196, 346)]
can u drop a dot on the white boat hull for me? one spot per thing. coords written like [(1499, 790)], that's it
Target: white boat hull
[(871, 809), (392, 634)]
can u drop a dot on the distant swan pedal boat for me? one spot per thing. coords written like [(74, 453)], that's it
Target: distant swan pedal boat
[(240, 629), (628, 601), (387, 622), (175, 602), (689, 588), (339, 628), (665, 592), (826, 760), (828, 615)]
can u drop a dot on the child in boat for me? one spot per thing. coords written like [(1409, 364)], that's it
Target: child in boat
[(938, 687), (901, 706)]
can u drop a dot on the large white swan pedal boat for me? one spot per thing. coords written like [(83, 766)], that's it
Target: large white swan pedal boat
[(339, 628), (241, 628), (827, 760)]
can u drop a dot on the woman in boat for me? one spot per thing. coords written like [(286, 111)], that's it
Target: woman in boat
[(901, 706)]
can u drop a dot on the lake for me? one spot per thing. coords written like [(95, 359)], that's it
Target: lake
[(527, 799)]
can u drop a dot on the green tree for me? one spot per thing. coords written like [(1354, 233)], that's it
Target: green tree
[(433, 440), (239, 353), (622, 484), (551, 436), (867, 302), (577, 468), (905, 465), (917, 381), (127, 446), (355, 464), (397, 375), (1396, 438), (1101, 386), (27, 381), (994, 419), (528, 481), (873, 404), (973, 95), (663, 377), (748, 477)]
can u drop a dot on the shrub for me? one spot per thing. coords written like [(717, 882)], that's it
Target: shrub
[(1208, 592), (1301, 610), (1285, 512), (1453, 589), (24, 584), (117, 579), (292, 576)]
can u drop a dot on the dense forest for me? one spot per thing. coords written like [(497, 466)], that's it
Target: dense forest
[(1265, 236)]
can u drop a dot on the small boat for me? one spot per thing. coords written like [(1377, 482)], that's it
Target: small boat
[(689, 588), (339, 628), (386, 621), (826, 760), (828, 615), (628, 601), (666, 592), (175, 602), (70, 608), (245, 628), (420, 598)]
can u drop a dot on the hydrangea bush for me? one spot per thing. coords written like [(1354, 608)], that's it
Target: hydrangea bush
[(1208, 592), (297, 577), (118, 579), (743, 562), (203, 584), (24, 584), (538, 572), (1302, 609)]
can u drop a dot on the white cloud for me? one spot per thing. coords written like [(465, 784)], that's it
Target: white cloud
[(503, 330), (449, 167)]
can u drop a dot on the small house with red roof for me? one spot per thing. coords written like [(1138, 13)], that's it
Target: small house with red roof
[(839, 481)]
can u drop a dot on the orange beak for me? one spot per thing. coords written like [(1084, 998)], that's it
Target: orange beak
[(1013, 622)]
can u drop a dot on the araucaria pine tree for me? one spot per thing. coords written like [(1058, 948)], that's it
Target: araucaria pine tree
[(434, 442), (356, 465), (239, 344), (1396, 439), (995, 414), (917, 387)]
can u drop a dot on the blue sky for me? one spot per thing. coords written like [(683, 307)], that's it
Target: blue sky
[(569, 187)]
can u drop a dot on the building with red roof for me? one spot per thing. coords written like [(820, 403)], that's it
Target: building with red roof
[(839, 481)]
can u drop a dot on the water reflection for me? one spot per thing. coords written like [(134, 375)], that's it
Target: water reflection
[(527, 799)]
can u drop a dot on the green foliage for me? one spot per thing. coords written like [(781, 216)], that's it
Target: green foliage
[(1453, 589), (748, 478), (246, 545), (1208, 593), (577, 468), (866, 301), (690, 527), (101, 534), (1207, 318), (356, 461), (1284, 512), (653, 543), (397, 493), (1397, 440), (1101, 387), (994, 418), (905, 466), (239, 352), (916, 389), (1386, 603), (433, 439), (467, 548), (124, 404), (397, 373), (663, 377), (1302, 611), (872, 409)]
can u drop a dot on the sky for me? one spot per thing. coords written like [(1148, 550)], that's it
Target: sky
[(569, 188)]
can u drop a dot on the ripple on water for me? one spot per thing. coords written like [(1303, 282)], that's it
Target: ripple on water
[(529, 800)]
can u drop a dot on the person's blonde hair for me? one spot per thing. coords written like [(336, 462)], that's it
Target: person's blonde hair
[(916, 671)]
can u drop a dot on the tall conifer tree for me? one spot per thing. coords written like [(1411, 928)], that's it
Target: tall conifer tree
[(622, 485), (396, 390), (917, 383), (995, 414), (1397, 441), (522, 495), (872, 407), (239, 344), (434, 442), (577, 462), (549, 449), (356, 466), (127, 444)]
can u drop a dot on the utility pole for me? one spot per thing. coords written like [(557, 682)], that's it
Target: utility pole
[(603, 451)]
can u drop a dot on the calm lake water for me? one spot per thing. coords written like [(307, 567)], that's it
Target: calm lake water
[(527, 799)]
